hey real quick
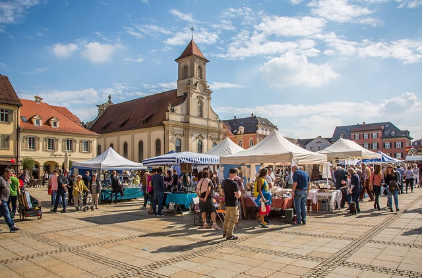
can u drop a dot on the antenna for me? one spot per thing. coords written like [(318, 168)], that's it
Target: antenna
[(192, 33)]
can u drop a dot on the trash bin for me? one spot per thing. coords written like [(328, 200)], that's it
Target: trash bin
[(289, 215)]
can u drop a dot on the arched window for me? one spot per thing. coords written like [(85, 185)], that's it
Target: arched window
[(98, 150), (200, 146), (200, 108), (200, 72), (125, 150), (140, 151), (178, 145), (158, 147), (185, 72), (111, 145)]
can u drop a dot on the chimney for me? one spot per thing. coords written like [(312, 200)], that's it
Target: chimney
[(364, 123), (38, 99), (234, 117), (252, 114)]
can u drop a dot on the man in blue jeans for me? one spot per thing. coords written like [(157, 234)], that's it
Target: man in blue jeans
[(159, 189), (300, 188), (4, 197)]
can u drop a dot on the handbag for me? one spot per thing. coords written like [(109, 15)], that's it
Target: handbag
[(262, 206), (392, 185), (50, 192)]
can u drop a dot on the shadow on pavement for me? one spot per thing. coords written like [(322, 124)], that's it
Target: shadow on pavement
[(413, 232)]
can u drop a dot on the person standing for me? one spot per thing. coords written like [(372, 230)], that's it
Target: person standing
[(137, 179), (14, 192), (409, 179), (78, 190), (340, 175), (144, 177), (376, 179), (230, 190), (95, 190), (391, 180), (355, 189), (168, 180), (54, 186), (87, 180), (300, 187), (116, 186), (175, 180), (62, 184), (263, 195), (205, 193), (159, 189), (366, 183), (4, 197), (416, 174), (401, 173), (71, 180)]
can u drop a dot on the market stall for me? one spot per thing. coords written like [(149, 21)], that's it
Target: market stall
[(347, 149)]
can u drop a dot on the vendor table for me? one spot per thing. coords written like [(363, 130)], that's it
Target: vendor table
[(180, 199), (129, 193), (278, 203), (315, 196)]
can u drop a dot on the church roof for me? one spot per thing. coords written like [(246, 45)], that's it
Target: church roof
[(138, 113), (192, 49), (7, 93)]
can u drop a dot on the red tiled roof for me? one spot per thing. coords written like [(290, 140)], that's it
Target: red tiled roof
[(31, 108), (67, 113), (7, 93), (192, 49), (367, 128), (138, 113)]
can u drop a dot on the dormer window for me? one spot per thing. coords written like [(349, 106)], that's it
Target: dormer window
[(54, 122), (37, 120)]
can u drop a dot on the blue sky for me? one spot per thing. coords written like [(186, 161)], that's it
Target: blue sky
[(307, 66)]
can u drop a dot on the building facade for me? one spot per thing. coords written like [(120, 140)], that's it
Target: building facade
[(9, 125), (314, 144), (181, 119), (248, 131), (384, 137), (49, 132)]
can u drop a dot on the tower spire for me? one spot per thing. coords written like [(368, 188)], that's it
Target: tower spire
[(192, 32)]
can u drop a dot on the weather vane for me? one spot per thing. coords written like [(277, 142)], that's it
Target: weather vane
[(192, 32)]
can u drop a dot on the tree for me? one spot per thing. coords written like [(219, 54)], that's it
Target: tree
[(28, 163)]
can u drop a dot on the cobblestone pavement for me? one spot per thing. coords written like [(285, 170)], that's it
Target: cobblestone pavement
[(123, 241)]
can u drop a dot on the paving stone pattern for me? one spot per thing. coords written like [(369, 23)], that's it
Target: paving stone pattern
[(123, 241)]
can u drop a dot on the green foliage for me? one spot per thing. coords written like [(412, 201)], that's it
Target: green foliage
[(27, 163)]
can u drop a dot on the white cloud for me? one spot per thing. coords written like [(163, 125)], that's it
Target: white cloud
[(64, 50), (138, 59), (406, 102), (35, 71), (315, 125), (290, 26), (183, 16), (411, 4), (295, 2), (248, 15), (295, 70), (168, 86), (337, 10), (203, 37), (220, 85), (12, 11), (131, 31), (152, 30), (58, 97), (99, 53), (224, 24)]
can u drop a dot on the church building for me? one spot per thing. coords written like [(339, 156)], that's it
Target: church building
[(181, 119)]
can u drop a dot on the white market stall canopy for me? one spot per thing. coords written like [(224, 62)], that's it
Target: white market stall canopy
[(413, 158), (109, 160), (344, 148), (225, 148), (174, 158), (275, 149)]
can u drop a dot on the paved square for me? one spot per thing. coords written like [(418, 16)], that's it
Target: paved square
[(123, 241)]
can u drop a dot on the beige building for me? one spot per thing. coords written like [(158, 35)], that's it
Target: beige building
[(48, 132), (180, 119), (9, 114)]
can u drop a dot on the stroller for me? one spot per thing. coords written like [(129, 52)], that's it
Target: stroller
[(87, 202), (28, 206)]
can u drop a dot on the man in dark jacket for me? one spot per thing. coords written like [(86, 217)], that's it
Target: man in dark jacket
[(340, 175), (4, 197), (159, 189), (62, 183)]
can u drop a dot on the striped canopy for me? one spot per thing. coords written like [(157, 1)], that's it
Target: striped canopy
[(385, 159), (174, 158)]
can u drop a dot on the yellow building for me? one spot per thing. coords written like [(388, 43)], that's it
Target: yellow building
[(181, 119), (9, 114), (48, 132)]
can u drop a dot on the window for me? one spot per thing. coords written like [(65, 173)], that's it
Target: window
[(200, 109), (178, 145), (387, 145), (5, 115), (185, 72), (50, 144), (140, 150), (366, 145), (356, 136), (200, 146), (125, 150), (251, 142), (398, 155), (54, 124), (374, 135), (69, 145), (37, 122), (4, 141), (398, 145), (158, 147), (85, 146), (200, 72), (98, 150), (31, 143), (375, 146), (365, 136), (111, 145), (240, 143)]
